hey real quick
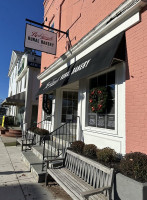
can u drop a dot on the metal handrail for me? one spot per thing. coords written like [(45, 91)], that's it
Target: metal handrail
[(25, 133), (58, 141)]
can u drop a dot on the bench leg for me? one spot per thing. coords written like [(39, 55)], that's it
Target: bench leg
[(22, 146), (46, 179)]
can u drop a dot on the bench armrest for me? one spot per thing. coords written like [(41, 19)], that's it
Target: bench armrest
[(88, 193), (26, 139), (50, 160)]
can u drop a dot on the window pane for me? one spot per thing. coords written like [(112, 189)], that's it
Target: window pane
[(69, 110), (69, 106), (110, 121), (107, 118), (111, 89), (111, 107), (93, 83), (92, 120), (69, 95), (102, 80), (64, 110), (75, 95), (63, 118), (64, 95), (101, 121), (65, 103), (111, 78)]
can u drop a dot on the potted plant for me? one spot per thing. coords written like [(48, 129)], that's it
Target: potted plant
[(39, 133), (131, 182)]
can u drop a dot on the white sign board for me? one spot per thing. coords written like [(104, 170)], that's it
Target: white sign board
[(40, 39)]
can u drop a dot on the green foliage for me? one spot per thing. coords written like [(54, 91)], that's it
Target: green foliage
[(77, 146), (90, 150), (98, 99), (107, 155), (39, 131), (134, 165)]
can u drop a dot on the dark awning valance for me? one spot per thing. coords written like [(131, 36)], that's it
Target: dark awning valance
[(18, 99), (97, 60)]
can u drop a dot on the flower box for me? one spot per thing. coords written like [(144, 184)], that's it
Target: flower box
[(126, 188)]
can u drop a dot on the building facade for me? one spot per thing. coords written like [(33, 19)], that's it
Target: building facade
[(103, 58), (23, 85)]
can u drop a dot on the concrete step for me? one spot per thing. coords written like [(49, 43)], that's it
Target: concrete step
[(38, 151), (34, 160), (13, 133), (34, 164)]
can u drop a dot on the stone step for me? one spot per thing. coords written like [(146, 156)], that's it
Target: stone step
[(13, 133), (38, 151), (34, 164)]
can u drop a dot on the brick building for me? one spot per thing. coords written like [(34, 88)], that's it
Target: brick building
[(106, 48)]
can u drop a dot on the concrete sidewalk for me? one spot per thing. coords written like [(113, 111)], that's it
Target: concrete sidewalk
[(16, 182)]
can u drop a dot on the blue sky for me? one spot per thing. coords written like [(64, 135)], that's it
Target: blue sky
[(12, 32)]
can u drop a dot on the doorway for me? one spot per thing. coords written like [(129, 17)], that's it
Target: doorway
[(69, 106)]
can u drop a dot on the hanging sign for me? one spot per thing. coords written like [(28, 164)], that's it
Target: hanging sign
[(47, 104), (40, 39)]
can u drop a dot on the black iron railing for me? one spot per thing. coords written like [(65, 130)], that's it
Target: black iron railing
[(55, 144), (28, 138)]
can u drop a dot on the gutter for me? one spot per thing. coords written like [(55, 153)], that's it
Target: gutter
[(123, 12)]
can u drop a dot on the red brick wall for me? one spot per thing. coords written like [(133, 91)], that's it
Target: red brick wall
[(82, 16), (136, 87), (79, 17)]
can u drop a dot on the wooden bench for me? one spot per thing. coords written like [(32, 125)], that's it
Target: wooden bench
[(27, 140), (83, 178)]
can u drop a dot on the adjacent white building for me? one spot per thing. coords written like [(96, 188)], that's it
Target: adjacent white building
[(23, 85)]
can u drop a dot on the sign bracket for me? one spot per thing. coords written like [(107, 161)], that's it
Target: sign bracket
[(31, 21)]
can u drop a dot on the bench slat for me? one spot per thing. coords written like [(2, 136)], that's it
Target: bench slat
[(91, 162), (63, 184), (73, 183), (82, 184), (81, 174)]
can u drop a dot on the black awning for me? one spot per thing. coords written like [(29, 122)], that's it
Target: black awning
[(97, 60), (18, 99)]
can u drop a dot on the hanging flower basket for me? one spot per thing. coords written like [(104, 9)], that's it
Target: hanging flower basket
[(98, 99)]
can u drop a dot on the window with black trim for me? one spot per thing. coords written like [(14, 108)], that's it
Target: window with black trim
[(101, 106)]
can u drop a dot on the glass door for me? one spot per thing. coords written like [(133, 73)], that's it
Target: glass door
[(69, 106)]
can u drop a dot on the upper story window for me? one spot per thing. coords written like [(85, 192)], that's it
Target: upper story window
[(52, 26), (101, 105), (25, 81), (21, 67)]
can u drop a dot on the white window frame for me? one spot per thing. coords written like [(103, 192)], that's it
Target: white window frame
[(119, 130), (66, 90)]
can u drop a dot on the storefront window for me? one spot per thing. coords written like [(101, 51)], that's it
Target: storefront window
[(102, 118), (69, 106)]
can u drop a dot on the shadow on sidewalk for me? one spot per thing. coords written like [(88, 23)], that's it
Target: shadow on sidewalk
[(24, 191), (13, 172)]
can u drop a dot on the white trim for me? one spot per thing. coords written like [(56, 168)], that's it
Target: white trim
[(125, 25), (117, 135)]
